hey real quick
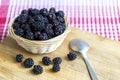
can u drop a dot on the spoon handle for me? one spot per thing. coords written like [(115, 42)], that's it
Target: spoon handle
[(90, 70)]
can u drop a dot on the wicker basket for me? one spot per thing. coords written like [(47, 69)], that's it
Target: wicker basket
[(38, 47)]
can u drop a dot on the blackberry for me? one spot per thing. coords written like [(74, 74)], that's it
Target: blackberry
[(19, 57), (57, 60), (63, 27), (72, 56), (29, 35), (34, 12), (37, 69), (30, 20), (26, 27), (46, 60), (55, 22), (29, 10), (22, 18), (60, 13), (19, 32), (44, 12), (37, 34), (49, 26), (56, 68), (24, 12), (57, 32), (49, 37), (38, 17), (43, 36), (16, 25), (59, 29), (52, 10), (51, 16), (28, 63), (61, 19), (37, 26), (49, 30), (45, 20)]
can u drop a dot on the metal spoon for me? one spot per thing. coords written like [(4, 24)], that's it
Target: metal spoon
[(82, 47)]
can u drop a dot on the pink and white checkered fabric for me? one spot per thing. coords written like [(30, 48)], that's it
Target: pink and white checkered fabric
[(101, 17)]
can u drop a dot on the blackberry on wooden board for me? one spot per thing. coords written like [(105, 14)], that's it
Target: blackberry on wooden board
[(37, 69), (57, 60), (56, 68), (19, 57), (46, 60), (28, 62), (72, 56)]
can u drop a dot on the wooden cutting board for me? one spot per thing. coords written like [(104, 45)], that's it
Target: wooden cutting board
[(104, 56)]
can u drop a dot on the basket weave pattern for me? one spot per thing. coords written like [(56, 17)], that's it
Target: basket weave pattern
[(38, 47)]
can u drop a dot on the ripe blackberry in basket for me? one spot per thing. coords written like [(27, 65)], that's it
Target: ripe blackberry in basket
[(19, 57), (19, 32), (29, 35), (37, 34), (48, 26), (22, 18), (51, 16), (37, 26), (57, 32), (38, 17), (60, 13), (59, 29), (56, 68), (24, 12), (44, 12), (63, 26), (72, 56), (55, 22), (16, 25), (50, 36), (30, 20), (37, 69), (28, 63), (52, 10), (45, 20), (61, 19), (26, 27), (43, 36), (29, 10), (49, 30), (46, 60), (57, 60), (34, 12)]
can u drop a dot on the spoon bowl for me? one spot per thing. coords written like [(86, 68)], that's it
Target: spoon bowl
[(79, 46)]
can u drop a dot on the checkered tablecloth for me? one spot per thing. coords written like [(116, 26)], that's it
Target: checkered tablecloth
[(101, 17)]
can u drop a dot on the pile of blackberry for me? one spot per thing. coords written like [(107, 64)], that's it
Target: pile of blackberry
[(56, 62), (43, 24), (37, 69)]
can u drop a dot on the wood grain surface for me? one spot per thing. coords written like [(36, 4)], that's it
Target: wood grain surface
[(104, 56)]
